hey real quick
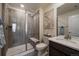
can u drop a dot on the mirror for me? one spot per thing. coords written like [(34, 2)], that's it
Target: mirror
[(68, 19), (2, 38)]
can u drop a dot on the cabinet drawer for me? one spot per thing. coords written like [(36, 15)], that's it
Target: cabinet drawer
[(55, 52)]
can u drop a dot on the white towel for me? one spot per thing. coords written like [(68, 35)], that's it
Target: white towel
[(2, 38)]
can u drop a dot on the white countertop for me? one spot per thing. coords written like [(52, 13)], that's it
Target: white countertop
[(73, 43)]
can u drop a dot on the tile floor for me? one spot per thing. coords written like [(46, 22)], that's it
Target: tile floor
[(18, 49), (30, 52)]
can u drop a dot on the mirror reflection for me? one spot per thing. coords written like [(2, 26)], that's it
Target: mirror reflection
[(68, 18)]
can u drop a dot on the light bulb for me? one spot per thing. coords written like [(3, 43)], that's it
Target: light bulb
[(22, 5)]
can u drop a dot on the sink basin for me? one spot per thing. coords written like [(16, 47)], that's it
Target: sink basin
[(72, 40), (60, 37)]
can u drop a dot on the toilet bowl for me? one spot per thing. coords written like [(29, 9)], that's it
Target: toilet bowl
[(41, 46)]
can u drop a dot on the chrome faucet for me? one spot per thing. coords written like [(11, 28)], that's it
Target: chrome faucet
[(68, 36)]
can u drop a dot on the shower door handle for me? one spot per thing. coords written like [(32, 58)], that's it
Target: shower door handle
[(9, 26)]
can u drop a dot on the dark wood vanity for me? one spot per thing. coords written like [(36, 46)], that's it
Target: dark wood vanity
[(56, 49)]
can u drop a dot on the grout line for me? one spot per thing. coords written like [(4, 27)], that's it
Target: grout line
[(25, 53)]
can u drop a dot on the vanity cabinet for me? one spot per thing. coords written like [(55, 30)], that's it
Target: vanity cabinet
[(0, 51), (56, 49)]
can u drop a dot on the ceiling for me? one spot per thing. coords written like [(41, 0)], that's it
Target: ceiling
[(29, 6), (67, 7)]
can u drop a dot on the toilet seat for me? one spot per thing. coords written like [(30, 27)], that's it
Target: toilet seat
[(41, 46)]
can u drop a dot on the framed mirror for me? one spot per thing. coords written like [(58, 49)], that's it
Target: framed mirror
[(68, 19)]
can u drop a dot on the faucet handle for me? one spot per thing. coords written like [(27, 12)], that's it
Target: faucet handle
[(69, 35)]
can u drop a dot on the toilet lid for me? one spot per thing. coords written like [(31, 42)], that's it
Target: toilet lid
[(41, 45)]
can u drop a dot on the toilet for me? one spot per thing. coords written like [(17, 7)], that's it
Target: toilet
[(42, 46)]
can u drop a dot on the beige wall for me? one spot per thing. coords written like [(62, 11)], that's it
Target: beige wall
[(54, 7), (0, 9), (48, 22), (63, 19)]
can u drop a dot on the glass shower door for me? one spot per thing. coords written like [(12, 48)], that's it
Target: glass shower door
[(17, 20)]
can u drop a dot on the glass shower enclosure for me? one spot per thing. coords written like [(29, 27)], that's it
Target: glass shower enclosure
[(17, 27)]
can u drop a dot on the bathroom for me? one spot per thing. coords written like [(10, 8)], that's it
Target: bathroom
[(22, 27), (39, 29)]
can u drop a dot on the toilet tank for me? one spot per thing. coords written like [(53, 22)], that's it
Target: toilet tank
[(45, 40)]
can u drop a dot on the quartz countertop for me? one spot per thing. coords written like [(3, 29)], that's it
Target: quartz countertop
[(73, 43)]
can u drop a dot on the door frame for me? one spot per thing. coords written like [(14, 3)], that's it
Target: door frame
[(3, 50)]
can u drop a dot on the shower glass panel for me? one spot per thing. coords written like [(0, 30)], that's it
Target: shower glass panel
[(32, 29), (32, 26), (29, 26), (17, 19), (36, 25)]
